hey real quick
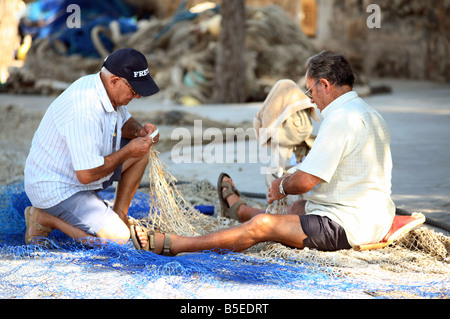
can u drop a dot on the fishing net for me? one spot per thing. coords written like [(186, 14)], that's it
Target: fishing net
[(181, 51), (416, 266)]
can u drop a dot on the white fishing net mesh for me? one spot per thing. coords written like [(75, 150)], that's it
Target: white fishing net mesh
[(420, 255)]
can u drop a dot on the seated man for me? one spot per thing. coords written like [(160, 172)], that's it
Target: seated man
[(85, 141), (346, 179)]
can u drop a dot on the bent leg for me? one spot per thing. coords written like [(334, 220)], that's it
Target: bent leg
[(85, 214), (44, 219), (132, 171), (114, 230), (244, 212)]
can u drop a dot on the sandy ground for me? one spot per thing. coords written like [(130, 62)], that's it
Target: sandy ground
[(418, 114)]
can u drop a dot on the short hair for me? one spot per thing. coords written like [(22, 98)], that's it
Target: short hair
[(332, 66), (106, 72)]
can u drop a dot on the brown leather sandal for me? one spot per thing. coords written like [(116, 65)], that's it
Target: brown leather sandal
[(226, 211), (150, 246), (30, 221)]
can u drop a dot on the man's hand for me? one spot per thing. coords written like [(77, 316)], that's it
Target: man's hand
[(274, 191), (132, 129), (138, 147), (295, 184), (147, 130)]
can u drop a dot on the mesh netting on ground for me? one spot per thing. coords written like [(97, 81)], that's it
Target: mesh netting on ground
[(66, 269)]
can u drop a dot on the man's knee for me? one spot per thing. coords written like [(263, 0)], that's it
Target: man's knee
[(140, 162), (260, 225), (115, 230), (145, 158)]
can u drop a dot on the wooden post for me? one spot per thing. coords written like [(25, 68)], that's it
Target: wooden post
[(230, 60)]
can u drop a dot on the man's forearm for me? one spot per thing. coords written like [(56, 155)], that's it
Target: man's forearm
[(136, 148), (300, 183), (131, 129), (295, 184), (111, 162)]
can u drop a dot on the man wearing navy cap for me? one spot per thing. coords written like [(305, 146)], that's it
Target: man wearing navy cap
[(86, 141)]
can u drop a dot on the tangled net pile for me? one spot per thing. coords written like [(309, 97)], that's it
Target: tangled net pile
[(181, 51), (416, 267)]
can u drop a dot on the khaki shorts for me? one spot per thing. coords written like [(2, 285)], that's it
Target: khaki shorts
[(86, 210)]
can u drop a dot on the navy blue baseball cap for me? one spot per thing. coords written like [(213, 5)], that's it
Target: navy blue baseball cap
[(132, 65)]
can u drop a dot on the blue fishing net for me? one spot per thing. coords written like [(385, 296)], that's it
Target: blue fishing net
[(64, 268)]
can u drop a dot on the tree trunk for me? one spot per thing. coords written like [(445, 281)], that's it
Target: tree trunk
[(230, 60)]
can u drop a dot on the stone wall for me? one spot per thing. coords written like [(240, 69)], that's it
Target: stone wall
[(413, 40)]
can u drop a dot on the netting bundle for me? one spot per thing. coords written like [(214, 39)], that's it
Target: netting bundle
[(172, 213), (64, 268)]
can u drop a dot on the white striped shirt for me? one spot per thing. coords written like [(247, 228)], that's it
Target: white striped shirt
[(76, 133), (352, 156)]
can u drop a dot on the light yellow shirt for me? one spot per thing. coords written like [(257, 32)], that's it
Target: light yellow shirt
[(352, 156)]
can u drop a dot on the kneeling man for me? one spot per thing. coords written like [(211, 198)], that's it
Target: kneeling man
[(86, 141)]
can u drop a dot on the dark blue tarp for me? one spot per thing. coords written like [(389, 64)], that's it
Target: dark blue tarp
[(49, 19)]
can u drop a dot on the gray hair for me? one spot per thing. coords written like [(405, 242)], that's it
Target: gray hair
[(332, 66), (106, 72)]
